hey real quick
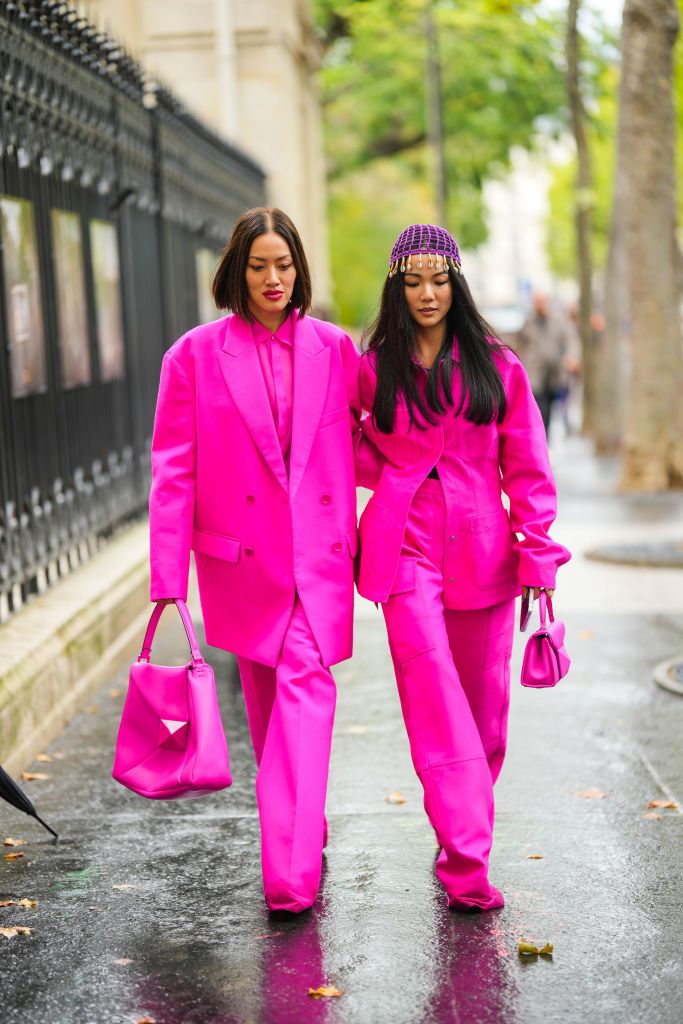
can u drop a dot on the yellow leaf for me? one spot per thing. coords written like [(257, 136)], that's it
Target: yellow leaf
[(92, 710), (536, 856), (653, 816), (395, 798), (28, 903), (585, 634), (123, 886), (591, 794), (146, 1020), (526, 948), (17, 929), (29, 776), (7, 903), (14, 842), (43, 757), (14, 856), (115, 692), (325, 992), (668, 804)]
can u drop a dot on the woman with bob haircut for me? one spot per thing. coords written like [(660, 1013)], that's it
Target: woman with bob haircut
[(454, 418), (253, 470)]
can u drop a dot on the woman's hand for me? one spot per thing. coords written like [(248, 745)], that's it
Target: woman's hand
[(537, 592)]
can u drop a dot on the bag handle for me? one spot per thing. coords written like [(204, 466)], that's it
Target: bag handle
[(545, 604), (146, 651)]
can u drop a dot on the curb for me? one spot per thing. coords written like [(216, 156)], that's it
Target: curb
[(664, 555)]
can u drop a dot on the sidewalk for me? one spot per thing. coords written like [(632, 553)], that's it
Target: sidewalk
[(188, 941)]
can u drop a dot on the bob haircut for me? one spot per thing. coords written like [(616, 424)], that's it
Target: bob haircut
[(229, 286)]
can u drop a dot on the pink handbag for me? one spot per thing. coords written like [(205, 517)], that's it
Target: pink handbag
[(545, 657), (171, 742)]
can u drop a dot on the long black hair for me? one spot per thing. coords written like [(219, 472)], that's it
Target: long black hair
[(392, 337)]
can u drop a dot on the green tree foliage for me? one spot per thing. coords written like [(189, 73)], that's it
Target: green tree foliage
[(502, 80)]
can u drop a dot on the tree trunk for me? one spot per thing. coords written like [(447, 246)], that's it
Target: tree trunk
[(649, 33), (583, 214), (612, 358)]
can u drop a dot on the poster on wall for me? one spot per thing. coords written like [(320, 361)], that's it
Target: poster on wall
[(74, 350), (28, 368), (104, 247), (206, 262)]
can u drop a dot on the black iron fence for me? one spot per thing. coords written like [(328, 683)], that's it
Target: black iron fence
[(114, 201)]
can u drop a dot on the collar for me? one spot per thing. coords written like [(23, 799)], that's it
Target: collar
[(284, 333)]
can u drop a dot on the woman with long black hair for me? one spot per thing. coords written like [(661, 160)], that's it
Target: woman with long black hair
[(453, 415)]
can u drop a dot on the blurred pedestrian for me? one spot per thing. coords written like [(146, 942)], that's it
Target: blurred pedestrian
[(543, 344), (252, 469), (453, 415)]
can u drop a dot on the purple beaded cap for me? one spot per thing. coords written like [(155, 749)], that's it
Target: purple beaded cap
[(424, 239)]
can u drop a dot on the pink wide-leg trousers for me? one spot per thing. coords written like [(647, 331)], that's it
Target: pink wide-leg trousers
[(453, 674), (290, 709)]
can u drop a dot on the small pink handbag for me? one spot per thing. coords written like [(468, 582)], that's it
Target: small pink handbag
[(171, 742), (545, 659)]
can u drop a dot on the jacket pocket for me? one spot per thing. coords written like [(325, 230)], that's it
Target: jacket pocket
[(493, 561), (216, 545), (404, 580), (335, 416)]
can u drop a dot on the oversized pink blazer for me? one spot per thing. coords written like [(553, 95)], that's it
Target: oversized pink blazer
[(220, 488), (490, 553)]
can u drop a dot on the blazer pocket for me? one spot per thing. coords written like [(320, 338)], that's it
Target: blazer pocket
[(404, 579), (334, 416), (216, 545)]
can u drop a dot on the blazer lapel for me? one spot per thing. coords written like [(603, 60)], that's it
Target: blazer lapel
[(311, 373), (241, 368)]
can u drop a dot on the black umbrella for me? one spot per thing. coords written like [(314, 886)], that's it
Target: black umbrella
[(10, 792)]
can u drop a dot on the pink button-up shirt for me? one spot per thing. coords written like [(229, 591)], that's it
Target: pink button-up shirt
[(276, 355)]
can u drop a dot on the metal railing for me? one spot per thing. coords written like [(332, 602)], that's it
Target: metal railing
[(114, 200)]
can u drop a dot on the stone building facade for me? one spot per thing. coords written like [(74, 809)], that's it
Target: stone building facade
[(249, 69)]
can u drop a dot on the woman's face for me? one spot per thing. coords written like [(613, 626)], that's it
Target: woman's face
[(428, 292), (270, 275)]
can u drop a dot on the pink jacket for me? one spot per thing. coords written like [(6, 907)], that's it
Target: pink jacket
[(490, 553), (220, 488)]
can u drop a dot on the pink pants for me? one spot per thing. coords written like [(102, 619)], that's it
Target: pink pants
[(453, 675), (290, 709)]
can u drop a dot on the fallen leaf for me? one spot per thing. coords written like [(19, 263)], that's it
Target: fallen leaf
[(92, 710), (585, 634), (43, 757), (14, 842), (670, 805), (59, 755), (14, 856), (7, 903), (526, 948), (28, 903), (591, 794), (123, 961), (536, 856), (653, 816), (325, 992), (18, 929), (115, 692), (123, 886), (146, 1020), (395, 798), (29, 776)]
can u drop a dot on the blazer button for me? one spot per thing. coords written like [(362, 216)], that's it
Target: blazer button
[(250, 499), (326, 499), (451, 579), (337, 547), (249, 551), (452, 536)]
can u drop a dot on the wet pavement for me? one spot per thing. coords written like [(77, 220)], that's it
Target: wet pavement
[(190, 941)]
